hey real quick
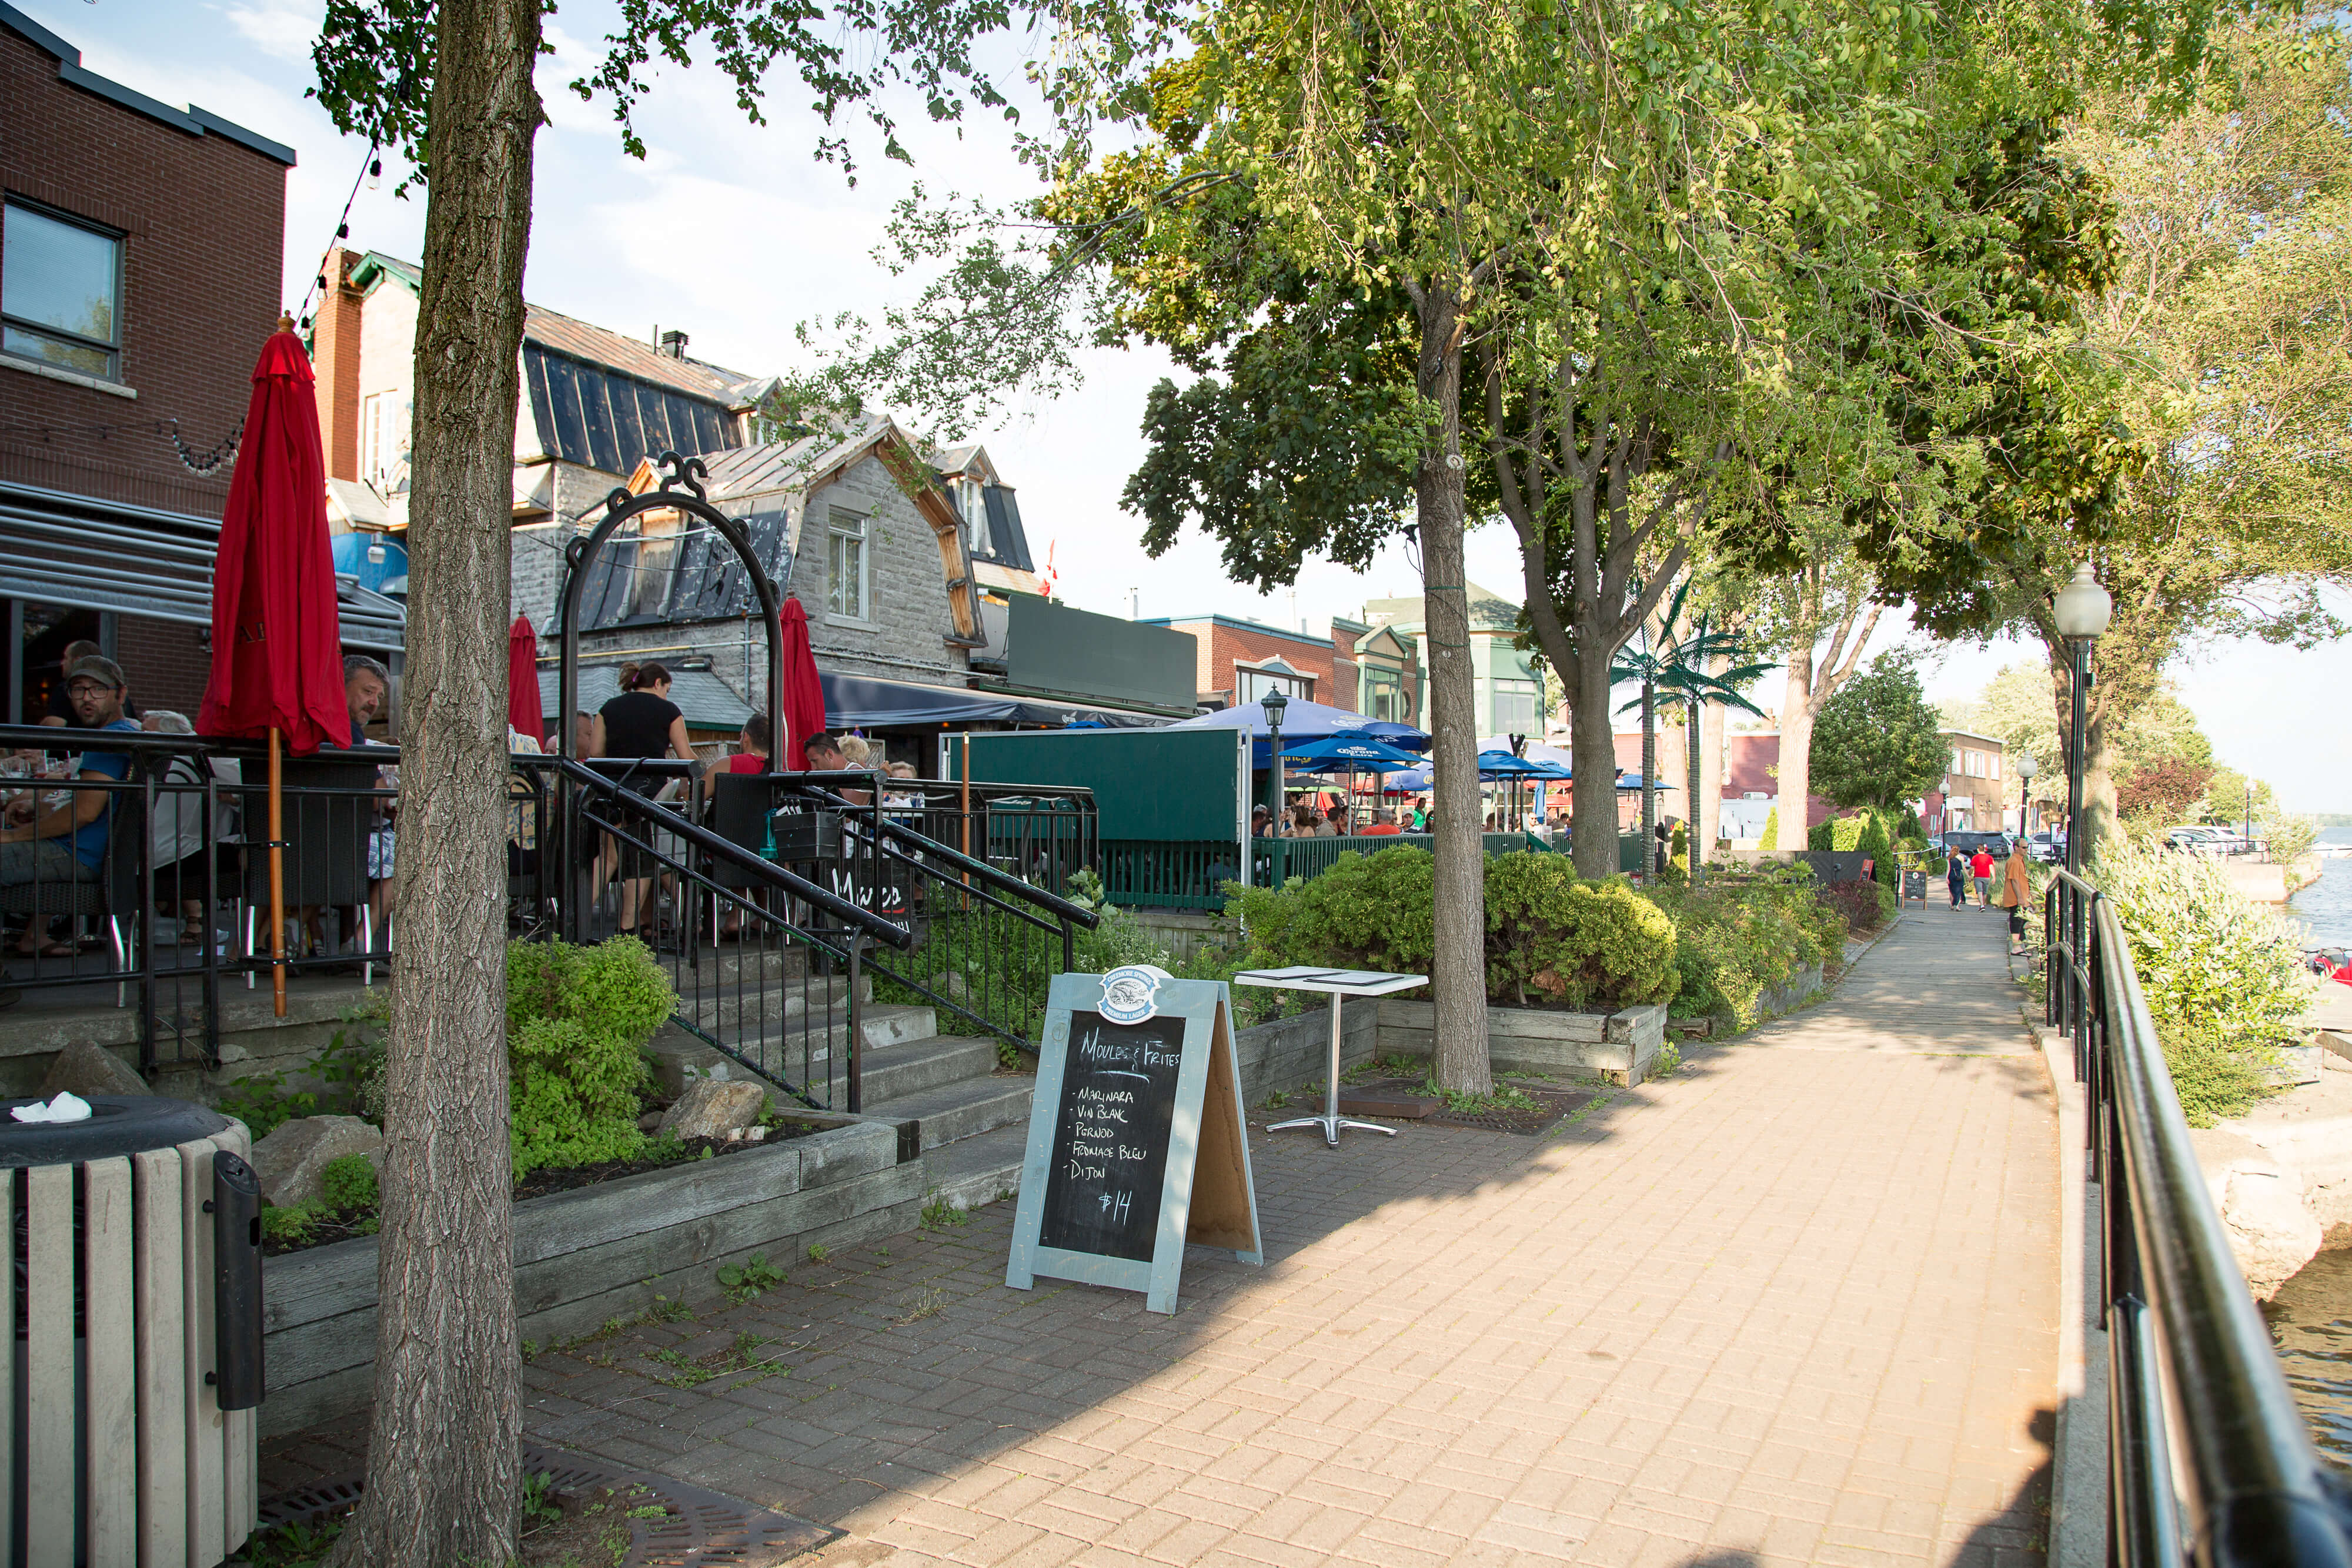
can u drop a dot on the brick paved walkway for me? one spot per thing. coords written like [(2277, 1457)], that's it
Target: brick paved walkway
[(1795, 1303)]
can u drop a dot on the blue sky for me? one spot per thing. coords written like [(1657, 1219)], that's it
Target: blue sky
[(733, 234)]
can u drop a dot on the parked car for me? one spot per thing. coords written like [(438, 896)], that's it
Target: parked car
[(2046, 848), (1965, 843), (2198, 839)]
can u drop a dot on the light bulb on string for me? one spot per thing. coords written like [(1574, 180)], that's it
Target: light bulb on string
[(375, 173)]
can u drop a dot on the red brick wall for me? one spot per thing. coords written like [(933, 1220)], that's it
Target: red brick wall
[(1221, 647), (204, 218), (165, 663), (1748, 768), (335, 352)]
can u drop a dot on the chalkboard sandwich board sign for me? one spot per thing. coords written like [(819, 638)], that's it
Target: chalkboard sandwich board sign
[(1914, 886), (1136, 1139)]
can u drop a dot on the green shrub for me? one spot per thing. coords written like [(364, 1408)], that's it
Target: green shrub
[(1822, 835), (1875, 844), (2222, 976), (350, 1183), (1575, 943), (1733, 941), (1578, 942), (1771, 838), (344, 1078), (578, 1019)]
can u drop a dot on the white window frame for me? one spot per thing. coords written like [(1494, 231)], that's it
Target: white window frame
[(845, 532), (1252, 682), (372, 438), (111, 347)]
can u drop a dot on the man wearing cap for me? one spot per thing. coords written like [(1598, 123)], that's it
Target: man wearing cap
[(68, 843)]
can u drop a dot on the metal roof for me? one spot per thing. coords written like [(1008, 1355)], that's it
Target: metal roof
[(615, 351), (91, 554), (605, 419)]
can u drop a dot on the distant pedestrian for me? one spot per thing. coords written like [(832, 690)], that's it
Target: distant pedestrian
[(2015, 891), (1955, 878), (1980, 868)]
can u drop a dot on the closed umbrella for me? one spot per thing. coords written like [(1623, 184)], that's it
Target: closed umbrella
[(523, 715), (278, 650), (802, 693)]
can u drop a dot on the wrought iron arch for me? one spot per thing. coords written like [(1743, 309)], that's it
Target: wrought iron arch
[(680, 491)]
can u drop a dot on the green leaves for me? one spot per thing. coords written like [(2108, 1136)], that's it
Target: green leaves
[(1878, 742)]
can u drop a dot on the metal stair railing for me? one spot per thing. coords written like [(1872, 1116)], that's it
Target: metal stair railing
[(2208, 1459), (986, 941), (768, 965)]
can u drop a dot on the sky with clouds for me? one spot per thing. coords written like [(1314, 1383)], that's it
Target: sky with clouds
[(734, 233)]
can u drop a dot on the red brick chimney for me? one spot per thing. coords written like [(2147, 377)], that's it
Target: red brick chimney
[(335, 358)]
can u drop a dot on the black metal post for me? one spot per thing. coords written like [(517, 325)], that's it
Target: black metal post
[(1274, 792), (2079, 651)]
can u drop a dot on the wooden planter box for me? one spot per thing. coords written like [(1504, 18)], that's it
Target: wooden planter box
[(1618, 1046), (597, 1252)]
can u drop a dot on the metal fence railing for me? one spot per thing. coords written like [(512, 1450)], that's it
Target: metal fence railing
[(2208, 1459)]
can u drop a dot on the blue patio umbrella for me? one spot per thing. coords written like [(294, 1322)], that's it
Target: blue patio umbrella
[(1336, 753), (1503, 765), (1301, 720), (1415, 782), (1395, 734)]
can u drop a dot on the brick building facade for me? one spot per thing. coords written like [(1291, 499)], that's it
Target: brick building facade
[(1240, 661), (139, 281)]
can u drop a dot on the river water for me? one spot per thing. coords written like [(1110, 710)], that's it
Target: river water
[(2311, 1317)]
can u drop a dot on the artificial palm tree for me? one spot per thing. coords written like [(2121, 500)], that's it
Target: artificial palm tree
[(1674, 654)]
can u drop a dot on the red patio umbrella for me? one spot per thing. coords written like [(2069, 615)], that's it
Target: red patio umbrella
[(523, 715), (277, 647), (801, 692)]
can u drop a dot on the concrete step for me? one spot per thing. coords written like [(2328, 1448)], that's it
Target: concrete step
[(801, 1045), (892, 1071), (981, 1170), (957, 1111)]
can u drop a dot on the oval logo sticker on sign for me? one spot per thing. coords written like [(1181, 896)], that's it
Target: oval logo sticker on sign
[(1128, 993)]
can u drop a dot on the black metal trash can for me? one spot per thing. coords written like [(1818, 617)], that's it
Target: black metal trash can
[(134, 1289)]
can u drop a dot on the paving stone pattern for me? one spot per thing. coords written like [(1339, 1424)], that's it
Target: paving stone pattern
[(1794, 1304)]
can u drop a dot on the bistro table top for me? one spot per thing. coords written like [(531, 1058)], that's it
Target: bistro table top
[(1342, 982)]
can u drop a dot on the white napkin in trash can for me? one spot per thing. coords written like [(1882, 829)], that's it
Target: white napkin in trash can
[(67, 1106)]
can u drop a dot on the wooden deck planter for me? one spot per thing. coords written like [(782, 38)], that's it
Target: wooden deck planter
[(597, 1252), (1619, 1046)]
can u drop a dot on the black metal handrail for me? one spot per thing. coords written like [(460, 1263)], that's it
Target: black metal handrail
[(821, 786), (2190, 1361), (878, 927)]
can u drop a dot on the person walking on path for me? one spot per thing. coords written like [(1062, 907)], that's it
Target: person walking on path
[(1980, 868), (2015, 890), (1955, 878)]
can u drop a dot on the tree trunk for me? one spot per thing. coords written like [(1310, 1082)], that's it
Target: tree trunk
[(1694, 746), (1593, 758), (1649, 780), (1796, 771), (1459, 968), (1709, 810), (443, 1455)]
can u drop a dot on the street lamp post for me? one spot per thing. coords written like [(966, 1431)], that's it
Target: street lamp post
[(2250, 813), (2081, 609), (2026, 768), (1276, 704)]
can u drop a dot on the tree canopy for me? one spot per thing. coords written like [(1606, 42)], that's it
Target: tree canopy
[(1879, 741)]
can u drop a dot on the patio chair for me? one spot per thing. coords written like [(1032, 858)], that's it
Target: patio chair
[(108, 893), (326, 855)]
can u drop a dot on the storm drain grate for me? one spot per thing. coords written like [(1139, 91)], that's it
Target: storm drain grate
[(702, 1530)]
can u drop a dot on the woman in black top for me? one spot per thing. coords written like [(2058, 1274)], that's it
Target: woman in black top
[(642, 722)]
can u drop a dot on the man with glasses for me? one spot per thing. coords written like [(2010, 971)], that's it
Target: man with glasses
[(67, 843)]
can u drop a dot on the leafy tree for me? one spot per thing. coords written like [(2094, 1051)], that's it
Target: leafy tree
[(2226, 507), (1880, 741), (2164, 786), (450, 85)]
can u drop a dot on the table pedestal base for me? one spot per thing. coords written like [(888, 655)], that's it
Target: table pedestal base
[(1332, 1121)]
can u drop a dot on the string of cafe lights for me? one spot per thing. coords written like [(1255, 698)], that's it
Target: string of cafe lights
[(202, 463), (371, 174)]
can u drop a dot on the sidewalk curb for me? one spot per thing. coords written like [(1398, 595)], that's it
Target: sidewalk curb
[(2078, 1468)]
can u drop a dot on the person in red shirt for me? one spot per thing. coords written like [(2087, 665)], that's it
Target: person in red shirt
[(1980, 868), (1383, 822), (754, 741)]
